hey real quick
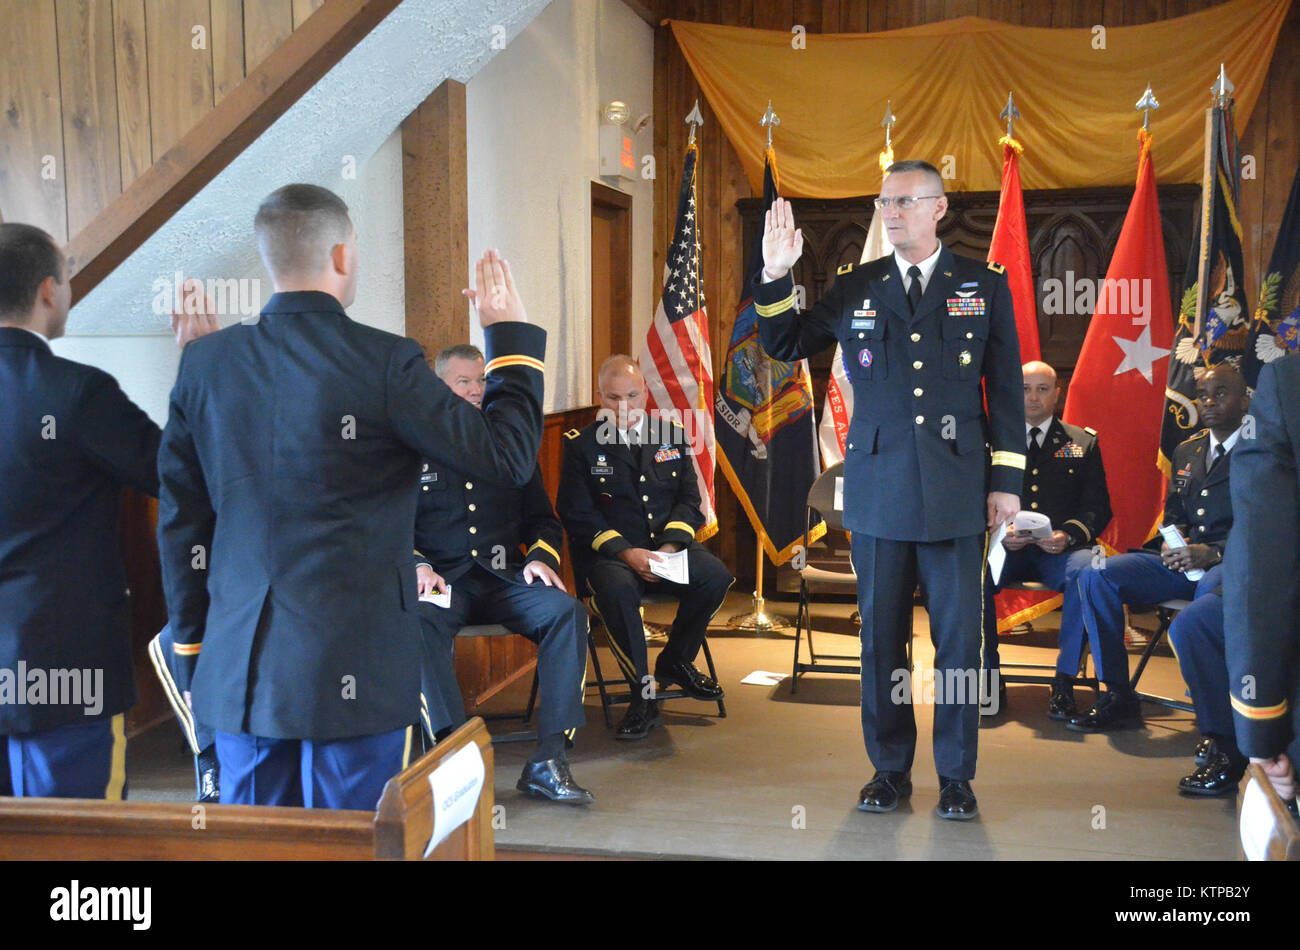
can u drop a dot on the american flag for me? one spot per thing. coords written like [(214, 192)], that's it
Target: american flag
[(677, 362)]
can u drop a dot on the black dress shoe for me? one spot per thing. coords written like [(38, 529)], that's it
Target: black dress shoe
[(641, 717), (206, 773), (1220, 776), (956, 800), (551, 779), (1060, 705), (1206, 750), (1110, 711), (884, 790), (694, 683)]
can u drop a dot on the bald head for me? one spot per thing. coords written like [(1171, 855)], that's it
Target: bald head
[(620, 385), (1041, 392)]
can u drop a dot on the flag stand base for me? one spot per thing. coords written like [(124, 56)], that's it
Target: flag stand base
[(759, 619)]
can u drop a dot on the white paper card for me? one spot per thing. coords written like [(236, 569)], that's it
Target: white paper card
[(1176, 541), (437, 599), (671, 567), (456, 787), (764, 678), (997, 553), (1256, 822), (839, 494)]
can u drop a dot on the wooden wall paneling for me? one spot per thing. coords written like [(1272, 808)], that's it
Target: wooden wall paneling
[(955, 8), (855, 16), (180, 76), (810, 15), (774, 14), (219, 133), (901, 13), (1081, 14), (267, 23), (435, 198), (303, 9), (1034, 13), (227, 46), (88, 91), (1007, 11), (130, 61), (33, 126)]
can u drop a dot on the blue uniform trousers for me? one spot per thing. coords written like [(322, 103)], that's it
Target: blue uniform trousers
[(337, 773), (1197, 638), (82, 760), (1057, 571), (952, 573), (1137, 578), (548, 616)]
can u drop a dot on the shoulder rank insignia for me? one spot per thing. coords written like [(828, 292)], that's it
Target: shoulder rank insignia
[(997, 268), (843, 269), (572, 434), (1089, 431)]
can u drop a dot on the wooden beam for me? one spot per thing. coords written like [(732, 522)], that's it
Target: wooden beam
[(435, 199), (645, 12), (214, 142)]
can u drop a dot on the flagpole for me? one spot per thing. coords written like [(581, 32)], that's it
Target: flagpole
[(759, 619)]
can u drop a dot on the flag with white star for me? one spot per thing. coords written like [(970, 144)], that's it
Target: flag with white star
[(1118, 386), (677, 361)]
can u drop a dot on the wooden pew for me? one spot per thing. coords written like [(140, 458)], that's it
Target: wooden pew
[(399, 829)]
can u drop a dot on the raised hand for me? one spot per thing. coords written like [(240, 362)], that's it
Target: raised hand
[(782, 241), (495, 296), (196, 317)]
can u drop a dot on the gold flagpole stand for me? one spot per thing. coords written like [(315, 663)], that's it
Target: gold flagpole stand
[(759, 619)]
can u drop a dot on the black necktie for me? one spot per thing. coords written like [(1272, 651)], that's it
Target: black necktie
[(1034, 435), (1217, 456), (914, 290)]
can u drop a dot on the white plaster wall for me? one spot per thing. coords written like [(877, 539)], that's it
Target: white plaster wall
[(145, 363), (533, 115), (342, 122)]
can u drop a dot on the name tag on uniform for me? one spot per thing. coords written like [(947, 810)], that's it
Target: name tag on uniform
[(968, 289), (428, 477), (965, 306), (1071, 450), (864, 324), (602, 470), (667, 454)]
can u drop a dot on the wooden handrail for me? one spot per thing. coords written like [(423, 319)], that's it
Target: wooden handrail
[(180, 173)]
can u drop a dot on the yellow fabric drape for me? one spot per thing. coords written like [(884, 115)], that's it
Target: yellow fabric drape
[(948, 81)]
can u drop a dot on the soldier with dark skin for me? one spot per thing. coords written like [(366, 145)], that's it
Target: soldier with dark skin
[(1199, 505)]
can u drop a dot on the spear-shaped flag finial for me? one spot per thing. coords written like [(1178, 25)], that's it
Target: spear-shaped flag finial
[(694, 119), (1222, 89), (769, 121), (1145, 105), (887, 123), (1010, 113)]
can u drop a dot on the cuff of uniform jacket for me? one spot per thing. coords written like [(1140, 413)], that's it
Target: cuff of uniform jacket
[(1262, 730), (1077, 532), (774, 298), (541, 551), (1007, 473), (514, 344), (610, 543), (677, 532)]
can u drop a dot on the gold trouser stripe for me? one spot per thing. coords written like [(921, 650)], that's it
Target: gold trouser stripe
[(622, 659), (680, 526), (187, 649), (1259, 712), (582, 689), (1009, 459), (183, 714), (117, 767), (607, 535), (539, 543), (515, 360), (774, 309), (1087, 535), (406, 752)]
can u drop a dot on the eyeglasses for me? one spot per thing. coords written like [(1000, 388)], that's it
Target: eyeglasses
[(905, 203)]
